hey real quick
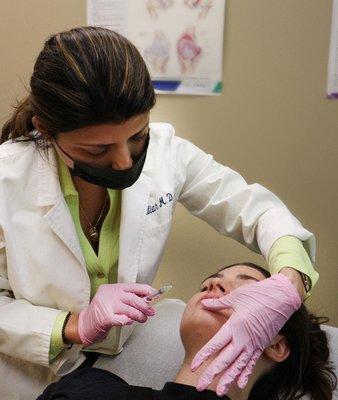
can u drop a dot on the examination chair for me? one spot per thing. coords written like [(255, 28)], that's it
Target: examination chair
[(153, 362)]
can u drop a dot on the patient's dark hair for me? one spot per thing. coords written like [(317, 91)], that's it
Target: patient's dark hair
[(307, 370)]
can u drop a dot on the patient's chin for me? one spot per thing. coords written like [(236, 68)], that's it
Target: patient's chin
[(199, 325)]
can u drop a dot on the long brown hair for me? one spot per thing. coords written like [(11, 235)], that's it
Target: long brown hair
[(84, 76)]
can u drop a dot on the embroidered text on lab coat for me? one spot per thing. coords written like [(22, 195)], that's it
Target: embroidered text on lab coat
[(162, 201)]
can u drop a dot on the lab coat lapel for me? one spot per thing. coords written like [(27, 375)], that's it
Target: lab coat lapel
[(57, 214), (133, 216), (60, 221)]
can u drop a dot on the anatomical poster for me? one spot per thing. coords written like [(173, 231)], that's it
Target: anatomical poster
[(181, 41)]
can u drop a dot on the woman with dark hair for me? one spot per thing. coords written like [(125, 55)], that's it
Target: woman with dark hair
[(295, 364), (87, 192)]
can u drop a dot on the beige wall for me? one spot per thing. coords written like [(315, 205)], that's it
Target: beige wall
[(273, 123)]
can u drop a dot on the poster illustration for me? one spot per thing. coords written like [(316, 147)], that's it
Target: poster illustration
[(180, 40)]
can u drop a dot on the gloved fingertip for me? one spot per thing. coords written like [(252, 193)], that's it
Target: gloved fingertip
[(204, 382), (242, 383), (208, 303), (195, 364), (221, 392), (201, 387), (218, 303)]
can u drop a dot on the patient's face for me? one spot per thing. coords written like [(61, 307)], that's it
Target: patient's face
[(198, 325)]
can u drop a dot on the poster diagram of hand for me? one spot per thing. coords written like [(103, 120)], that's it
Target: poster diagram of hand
[(204, 5), (157, 54), (154, 5), (188, 52)]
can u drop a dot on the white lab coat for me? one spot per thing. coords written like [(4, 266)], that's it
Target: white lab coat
[(42, 269)]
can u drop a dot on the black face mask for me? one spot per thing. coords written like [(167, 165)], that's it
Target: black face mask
[(107, 177)]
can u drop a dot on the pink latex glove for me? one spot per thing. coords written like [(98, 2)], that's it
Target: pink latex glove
[(113, 305), (259, 312)]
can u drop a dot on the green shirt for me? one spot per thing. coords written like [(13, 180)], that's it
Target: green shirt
[(101, 267)]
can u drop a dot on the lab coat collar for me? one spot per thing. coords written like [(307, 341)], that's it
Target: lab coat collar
[(49, 189), (133, 217), (49, 195)]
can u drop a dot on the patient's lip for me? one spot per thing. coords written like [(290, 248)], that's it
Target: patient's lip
[(224, 313), (210, 296)]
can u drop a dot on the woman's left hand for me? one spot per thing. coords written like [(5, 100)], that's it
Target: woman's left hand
[(259, 312)]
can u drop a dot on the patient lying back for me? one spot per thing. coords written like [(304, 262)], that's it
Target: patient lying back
[(296, 362)]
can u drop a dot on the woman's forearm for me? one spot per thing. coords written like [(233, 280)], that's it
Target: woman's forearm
[(71, 330), (296, 279)]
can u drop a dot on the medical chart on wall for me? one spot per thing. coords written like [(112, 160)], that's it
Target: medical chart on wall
[(180, 40), (332, 85)]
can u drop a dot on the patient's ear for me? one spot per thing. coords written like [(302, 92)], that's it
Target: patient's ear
[(279, 350)]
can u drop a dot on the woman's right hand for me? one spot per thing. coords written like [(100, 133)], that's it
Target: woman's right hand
[(113, 305)]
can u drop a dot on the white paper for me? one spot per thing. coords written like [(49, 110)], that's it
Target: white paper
[(180, 40), (332, 85), (111, 14)]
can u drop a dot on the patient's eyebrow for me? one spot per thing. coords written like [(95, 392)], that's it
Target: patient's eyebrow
[(246, 277)]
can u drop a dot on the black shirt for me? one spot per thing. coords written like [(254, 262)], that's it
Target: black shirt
[(99, 384)]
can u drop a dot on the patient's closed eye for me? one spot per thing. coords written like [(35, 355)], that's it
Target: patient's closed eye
[(246, 277)]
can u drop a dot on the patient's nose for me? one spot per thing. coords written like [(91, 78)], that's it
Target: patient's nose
[(215, 287)]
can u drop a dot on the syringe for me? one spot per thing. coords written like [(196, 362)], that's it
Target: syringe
[(162, 290)]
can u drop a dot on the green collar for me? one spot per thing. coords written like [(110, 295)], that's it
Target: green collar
[(66, 182)]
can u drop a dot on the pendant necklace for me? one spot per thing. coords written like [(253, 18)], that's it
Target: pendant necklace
[(93, 232)]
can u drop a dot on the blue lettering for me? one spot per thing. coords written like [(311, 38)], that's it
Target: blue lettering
[(152, 209), (162, 201), (169, 197)]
